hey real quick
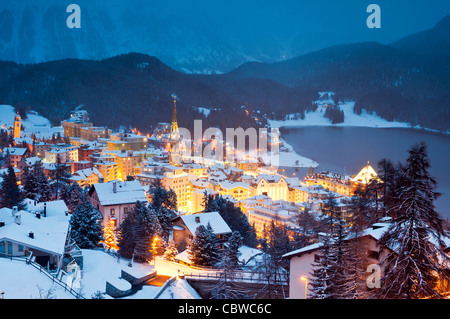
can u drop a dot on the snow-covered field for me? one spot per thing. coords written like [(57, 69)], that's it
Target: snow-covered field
[(35, 123), (317, 118)]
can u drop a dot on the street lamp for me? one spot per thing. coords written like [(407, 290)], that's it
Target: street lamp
[(305, 279)]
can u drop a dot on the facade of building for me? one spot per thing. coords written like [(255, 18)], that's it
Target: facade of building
[(78, 119), (63, 153), (15, 154), (115, 199), (274, 186), (301, 261), (184, 227), (109, 170)]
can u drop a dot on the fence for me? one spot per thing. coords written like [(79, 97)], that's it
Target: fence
[(242, 276), (41, 269)]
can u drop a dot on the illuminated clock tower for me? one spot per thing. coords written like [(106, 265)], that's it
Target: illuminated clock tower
[(16, 131)]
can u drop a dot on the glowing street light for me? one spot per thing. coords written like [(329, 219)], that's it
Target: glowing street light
[(305, 279)]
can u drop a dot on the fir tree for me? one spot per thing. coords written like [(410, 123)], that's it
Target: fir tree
[(233, 216), (171, 251), (137, 233), (36, 185), (10, 193), (226, 287), (321, 282), (108, 234), (417, 262), (85, 226), (73, 195), (231, 252), (204, 250)]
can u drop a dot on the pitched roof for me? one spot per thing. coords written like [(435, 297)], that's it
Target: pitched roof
[(366, 174), (216, 221), (49, 232), (127, 192)]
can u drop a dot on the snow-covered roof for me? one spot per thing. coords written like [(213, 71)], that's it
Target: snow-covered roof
[(366, 174), (30, 161), (54, 209), (268, 178), (216, 221), (49, 232), (230, 185), (5, 170), (127, 192), (84, 173), (15, 150)]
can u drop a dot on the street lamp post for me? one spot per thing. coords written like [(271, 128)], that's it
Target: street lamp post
[(305, 279)]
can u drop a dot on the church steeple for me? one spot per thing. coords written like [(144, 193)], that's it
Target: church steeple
[(174, 132)]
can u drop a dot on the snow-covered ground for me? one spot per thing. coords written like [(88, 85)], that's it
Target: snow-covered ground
[(34, 123), (316, 118), (21, 281)]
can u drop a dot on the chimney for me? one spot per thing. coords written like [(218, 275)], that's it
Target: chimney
[(45, 209), (14, 211), (114, 187), (31, 234), (17, 219), (197, 219)]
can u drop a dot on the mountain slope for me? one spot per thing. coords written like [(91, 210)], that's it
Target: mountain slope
[(434, 42)]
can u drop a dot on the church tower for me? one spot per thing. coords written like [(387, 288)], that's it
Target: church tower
[(174, 132), (16, 130)]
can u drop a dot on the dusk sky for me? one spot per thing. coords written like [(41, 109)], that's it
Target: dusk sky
[(199, 34)]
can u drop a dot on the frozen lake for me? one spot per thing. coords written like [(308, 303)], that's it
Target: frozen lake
[(347, 150)]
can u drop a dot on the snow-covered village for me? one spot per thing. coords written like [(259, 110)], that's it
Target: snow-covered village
[(91, 213), (176, 156)]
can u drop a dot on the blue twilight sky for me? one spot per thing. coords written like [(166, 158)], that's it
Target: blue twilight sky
[(194, 34)]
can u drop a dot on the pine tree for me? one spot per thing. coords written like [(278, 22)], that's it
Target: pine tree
[(108, 235), (36, 185), (10, 193), (137, 233), (72, 195), (204, 250), (226, 287), (233, 216), (337, 273), (417, 262), (85, 226), (171, 251), (231, 252), (321, 282)]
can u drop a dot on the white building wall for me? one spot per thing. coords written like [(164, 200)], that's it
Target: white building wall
[(299, 267)]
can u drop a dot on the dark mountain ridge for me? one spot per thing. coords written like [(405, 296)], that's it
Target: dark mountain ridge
[(135, 89)]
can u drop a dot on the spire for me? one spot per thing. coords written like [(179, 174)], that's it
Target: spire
[(174, 133)]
